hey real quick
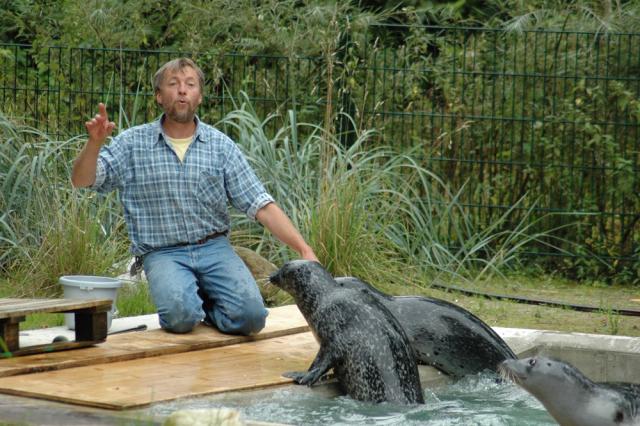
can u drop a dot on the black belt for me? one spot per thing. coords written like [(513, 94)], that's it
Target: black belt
[(203, 240)]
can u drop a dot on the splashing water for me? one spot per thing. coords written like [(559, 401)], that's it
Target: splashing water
[(481, 400)]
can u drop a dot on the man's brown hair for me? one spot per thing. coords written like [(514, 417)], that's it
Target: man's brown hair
[(177, 65)]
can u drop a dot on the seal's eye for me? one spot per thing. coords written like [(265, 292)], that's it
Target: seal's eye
[(532, 362)]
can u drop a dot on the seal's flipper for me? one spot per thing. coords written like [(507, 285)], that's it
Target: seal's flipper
[(308, 378), (295, 375)]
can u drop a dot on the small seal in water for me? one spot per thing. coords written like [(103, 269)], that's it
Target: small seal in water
[(442, 334), (359, 338), (570, 397)]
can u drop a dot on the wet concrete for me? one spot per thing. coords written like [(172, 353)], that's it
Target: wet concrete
[(16, 410)]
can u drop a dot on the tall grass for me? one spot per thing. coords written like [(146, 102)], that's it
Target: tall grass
[(74, 240), (27, 158), (46, 228), (370, 211)]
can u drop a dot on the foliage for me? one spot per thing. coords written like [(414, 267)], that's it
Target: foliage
[(576, 15), (333, 203), (601, 16), (48, 230), (267, 27), (134, 299), (27, 157), (371, 211), (510, 115), (74, 241), (527, 104), (277, 27)]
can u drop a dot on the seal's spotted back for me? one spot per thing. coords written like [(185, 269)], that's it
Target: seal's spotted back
[(442, 334)]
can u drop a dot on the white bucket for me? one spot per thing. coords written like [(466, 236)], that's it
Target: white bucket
[(89, 287)]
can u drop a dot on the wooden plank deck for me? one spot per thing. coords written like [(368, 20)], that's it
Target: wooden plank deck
[(121, 347), (135, 383)]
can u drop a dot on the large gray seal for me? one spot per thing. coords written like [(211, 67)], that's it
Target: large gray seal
[(359, 338), (442, 334), (570, 397)]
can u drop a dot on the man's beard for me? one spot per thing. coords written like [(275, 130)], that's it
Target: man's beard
[(181, 116)]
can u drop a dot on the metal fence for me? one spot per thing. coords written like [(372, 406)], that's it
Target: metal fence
[(549, 117), (56, 89)]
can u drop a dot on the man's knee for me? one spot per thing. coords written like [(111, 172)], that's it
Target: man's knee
[(255, 320), (179, 321), (250, 320)]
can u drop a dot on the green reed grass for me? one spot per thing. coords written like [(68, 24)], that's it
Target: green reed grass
[(74, 240), (134, 299), (368, 211), (371, 211), (47, 229)]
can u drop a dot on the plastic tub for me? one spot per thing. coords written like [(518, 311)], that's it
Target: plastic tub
[(89, 287)]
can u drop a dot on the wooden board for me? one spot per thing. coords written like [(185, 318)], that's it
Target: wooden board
[(281, 321), (135, 383), (11, 308), (90, 320)]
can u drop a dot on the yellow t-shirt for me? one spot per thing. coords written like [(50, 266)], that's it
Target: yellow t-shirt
[(180, 146)]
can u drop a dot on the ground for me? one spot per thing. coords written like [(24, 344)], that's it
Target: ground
[(509, 314)]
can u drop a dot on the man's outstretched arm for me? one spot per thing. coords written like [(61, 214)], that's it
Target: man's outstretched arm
[(279, 224)]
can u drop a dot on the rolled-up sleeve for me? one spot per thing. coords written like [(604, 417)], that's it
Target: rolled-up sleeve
[(109, 167), (259, 203), (101, 175)]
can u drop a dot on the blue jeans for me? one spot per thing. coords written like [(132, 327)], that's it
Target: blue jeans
[(194, 282)]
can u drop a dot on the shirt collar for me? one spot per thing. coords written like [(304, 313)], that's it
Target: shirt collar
[(199, 134)]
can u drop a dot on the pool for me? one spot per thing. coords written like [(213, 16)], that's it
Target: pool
[(481, 399), (474, 400)]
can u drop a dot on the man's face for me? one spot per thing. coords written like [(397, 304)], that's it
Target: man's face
[(180, 94)]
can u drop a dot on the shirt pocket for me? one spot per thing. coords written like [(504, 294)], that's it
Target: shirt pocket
[(211, 190)]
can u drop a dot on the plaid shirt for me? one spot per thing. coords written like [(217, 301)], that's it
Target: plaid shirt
[(166, 201)]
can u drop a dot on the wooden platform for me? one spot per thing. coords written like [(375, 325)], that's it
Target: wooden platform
[(90, 320), (136, 369), (136, 383), (121, 347)]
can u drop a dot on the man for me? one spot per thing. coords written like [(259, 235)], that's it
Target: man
[(175, 176)]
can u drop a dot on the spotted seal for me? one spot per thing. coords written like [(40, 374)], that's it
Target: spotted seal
[(442, 334), (359, 338), (570, 397)]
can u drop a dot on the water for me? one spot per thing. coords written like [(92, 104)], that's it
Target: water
[(476, 400)]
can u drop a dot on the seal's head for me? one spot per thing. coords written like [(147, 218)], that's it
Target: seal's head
[(303, 279), (567, 394), (538, 373)]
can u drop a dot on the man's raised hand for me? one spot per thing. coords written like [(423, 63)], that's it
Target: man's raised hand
[(99, 127)]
